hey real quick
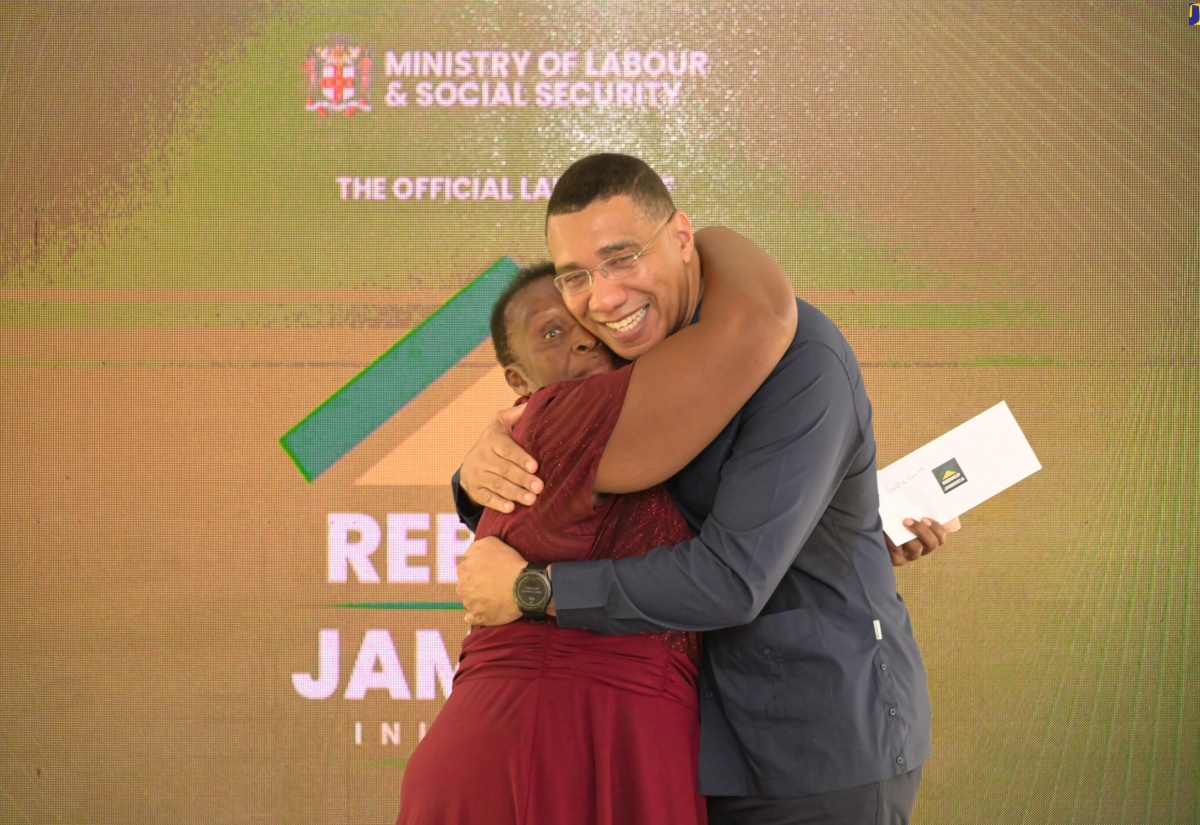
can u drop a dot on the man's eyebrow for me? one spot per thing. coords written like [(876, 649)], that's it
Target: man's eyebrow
[(616, 246), (605, 252)]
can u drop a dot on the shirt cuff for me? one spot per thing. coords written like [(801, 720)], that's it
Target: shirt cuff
[(579, 592)]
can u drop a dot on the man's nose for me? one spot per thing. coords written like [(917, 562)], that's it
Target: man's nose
[(606, 295)]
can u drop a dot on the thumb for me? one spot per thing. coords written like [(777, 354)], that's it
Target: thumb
[(511, 416)]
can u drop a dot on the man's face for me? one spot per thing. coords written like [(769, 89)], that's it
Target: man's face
[(656, 299), (549, 344)]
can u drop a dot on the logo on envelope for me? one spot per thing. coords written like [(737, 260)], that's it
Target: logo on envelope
[(949, 475)]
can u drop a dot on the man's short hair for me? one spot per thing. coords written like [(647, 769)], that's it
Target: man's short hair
[(607, 175), (524, 277)]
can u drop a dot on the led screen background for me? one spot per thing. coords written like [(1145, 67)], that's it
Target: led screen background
[(995, 201)]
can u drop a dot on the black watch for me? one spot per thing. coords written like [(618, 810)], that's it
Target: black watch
[(532, 591)]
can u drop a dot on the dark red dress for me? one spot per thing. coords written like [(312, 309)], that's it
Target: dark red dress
[(554, 726)]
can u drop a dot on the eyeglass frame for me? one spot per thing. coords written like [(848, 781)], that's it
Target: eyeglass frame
[(602, 267)]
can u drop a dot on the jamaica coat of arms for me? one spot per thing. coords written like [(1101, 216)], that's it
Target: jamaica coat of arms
[(339, 78)]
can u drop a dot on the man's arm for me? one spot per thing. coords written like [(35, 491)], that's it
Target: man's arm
[(796, 441), (788, 457), (489, 568), (671, 411), (746, 321)]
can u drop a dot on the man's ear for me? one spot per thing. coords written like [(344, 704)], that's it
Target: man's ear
[(517, 380), (683, 236)]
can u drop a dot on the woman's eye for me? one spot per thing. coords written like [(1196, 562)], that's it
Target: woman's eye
[(554, 333)]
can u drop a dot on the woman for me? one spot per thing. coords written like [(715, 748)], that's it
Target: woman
[(560, 726)]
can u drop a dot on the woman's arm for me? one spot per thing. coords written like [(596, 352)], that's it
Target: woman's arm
[(685, 390)]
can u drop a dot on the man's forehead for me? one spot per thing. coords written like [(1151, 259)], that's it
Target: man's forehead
[(600, 229)]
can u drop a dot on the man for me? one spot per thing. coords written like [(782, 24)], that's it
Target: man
[(814, 702), (630, 703)]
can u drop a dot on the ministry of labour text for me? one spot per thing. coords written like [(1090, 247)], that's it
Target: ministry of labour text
[(555, 94)]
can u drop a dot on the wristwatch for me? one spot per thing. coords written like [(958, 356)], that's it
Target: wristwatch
[(532, 591)]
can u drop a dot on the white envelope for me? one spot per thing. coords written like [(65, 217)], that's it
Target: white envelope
[(955, 471)]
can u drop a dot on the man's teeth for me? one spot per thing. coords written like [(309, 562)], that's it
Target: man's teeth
[(628, 322)]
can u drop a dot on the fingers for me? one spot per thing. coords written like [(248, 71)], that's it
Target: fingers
[(913, 549), (898, 557), (508, 452), (508, 417), (497, 473), (929, 537), (500, 438), (933, 536), (486, 573), (515, 484), (505, 485), (503, 499), (505, 468), (490, 619), (489, 489)]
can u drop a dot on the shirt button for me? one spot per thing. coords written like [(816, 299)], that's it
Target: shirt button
[(883, 666), (766, 651), (709, 694), (899, 760), (891, 711)]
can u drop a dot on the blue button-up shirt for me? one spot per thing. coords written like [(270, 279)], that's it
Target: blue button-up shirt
[(812, 679)]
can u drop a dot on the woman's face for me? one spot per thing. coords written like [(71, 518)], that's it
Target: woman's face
[(549, 344)]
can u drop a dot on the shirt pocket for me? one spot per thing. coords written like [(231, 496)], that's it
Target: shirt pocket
[(775, 668)]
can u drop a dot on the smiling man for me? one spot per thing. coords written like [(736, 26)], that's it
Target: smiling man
[(814, 702), (635, 313)]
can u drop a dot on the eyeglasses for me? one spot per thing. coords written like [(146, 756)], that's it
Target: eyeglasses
[(615, 268)]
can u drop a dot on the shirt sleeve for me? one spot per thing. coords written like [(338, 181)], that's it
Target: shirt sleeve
[(797, 438), (468, 510)]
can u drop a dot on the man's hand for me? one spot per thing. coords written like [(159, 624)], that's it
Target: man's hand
[(485, 582), (930, 536), (496, 471)]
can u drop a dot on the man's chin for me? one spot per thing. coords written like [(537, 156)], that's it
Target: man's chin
[(633, 349)]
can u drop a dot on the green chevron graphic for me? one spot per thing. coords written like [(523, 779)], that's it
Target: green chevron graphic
[(398, 376)]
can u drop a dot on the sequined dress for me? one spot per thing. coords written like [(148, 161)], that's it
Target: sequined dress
[(555, 726)]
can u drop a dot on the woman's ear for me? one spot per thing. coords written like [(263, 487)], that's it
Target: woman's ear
[(517, 380)]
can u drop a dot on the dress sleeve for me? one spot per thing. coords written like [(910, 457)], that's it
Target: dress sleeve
[(567, 427)]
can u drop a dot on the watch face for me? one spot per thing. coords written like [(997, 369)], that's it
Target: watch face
[(532, 591)]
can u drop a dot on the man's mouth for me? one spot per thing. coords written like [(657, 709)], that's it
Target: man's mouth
[(627, 323)]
